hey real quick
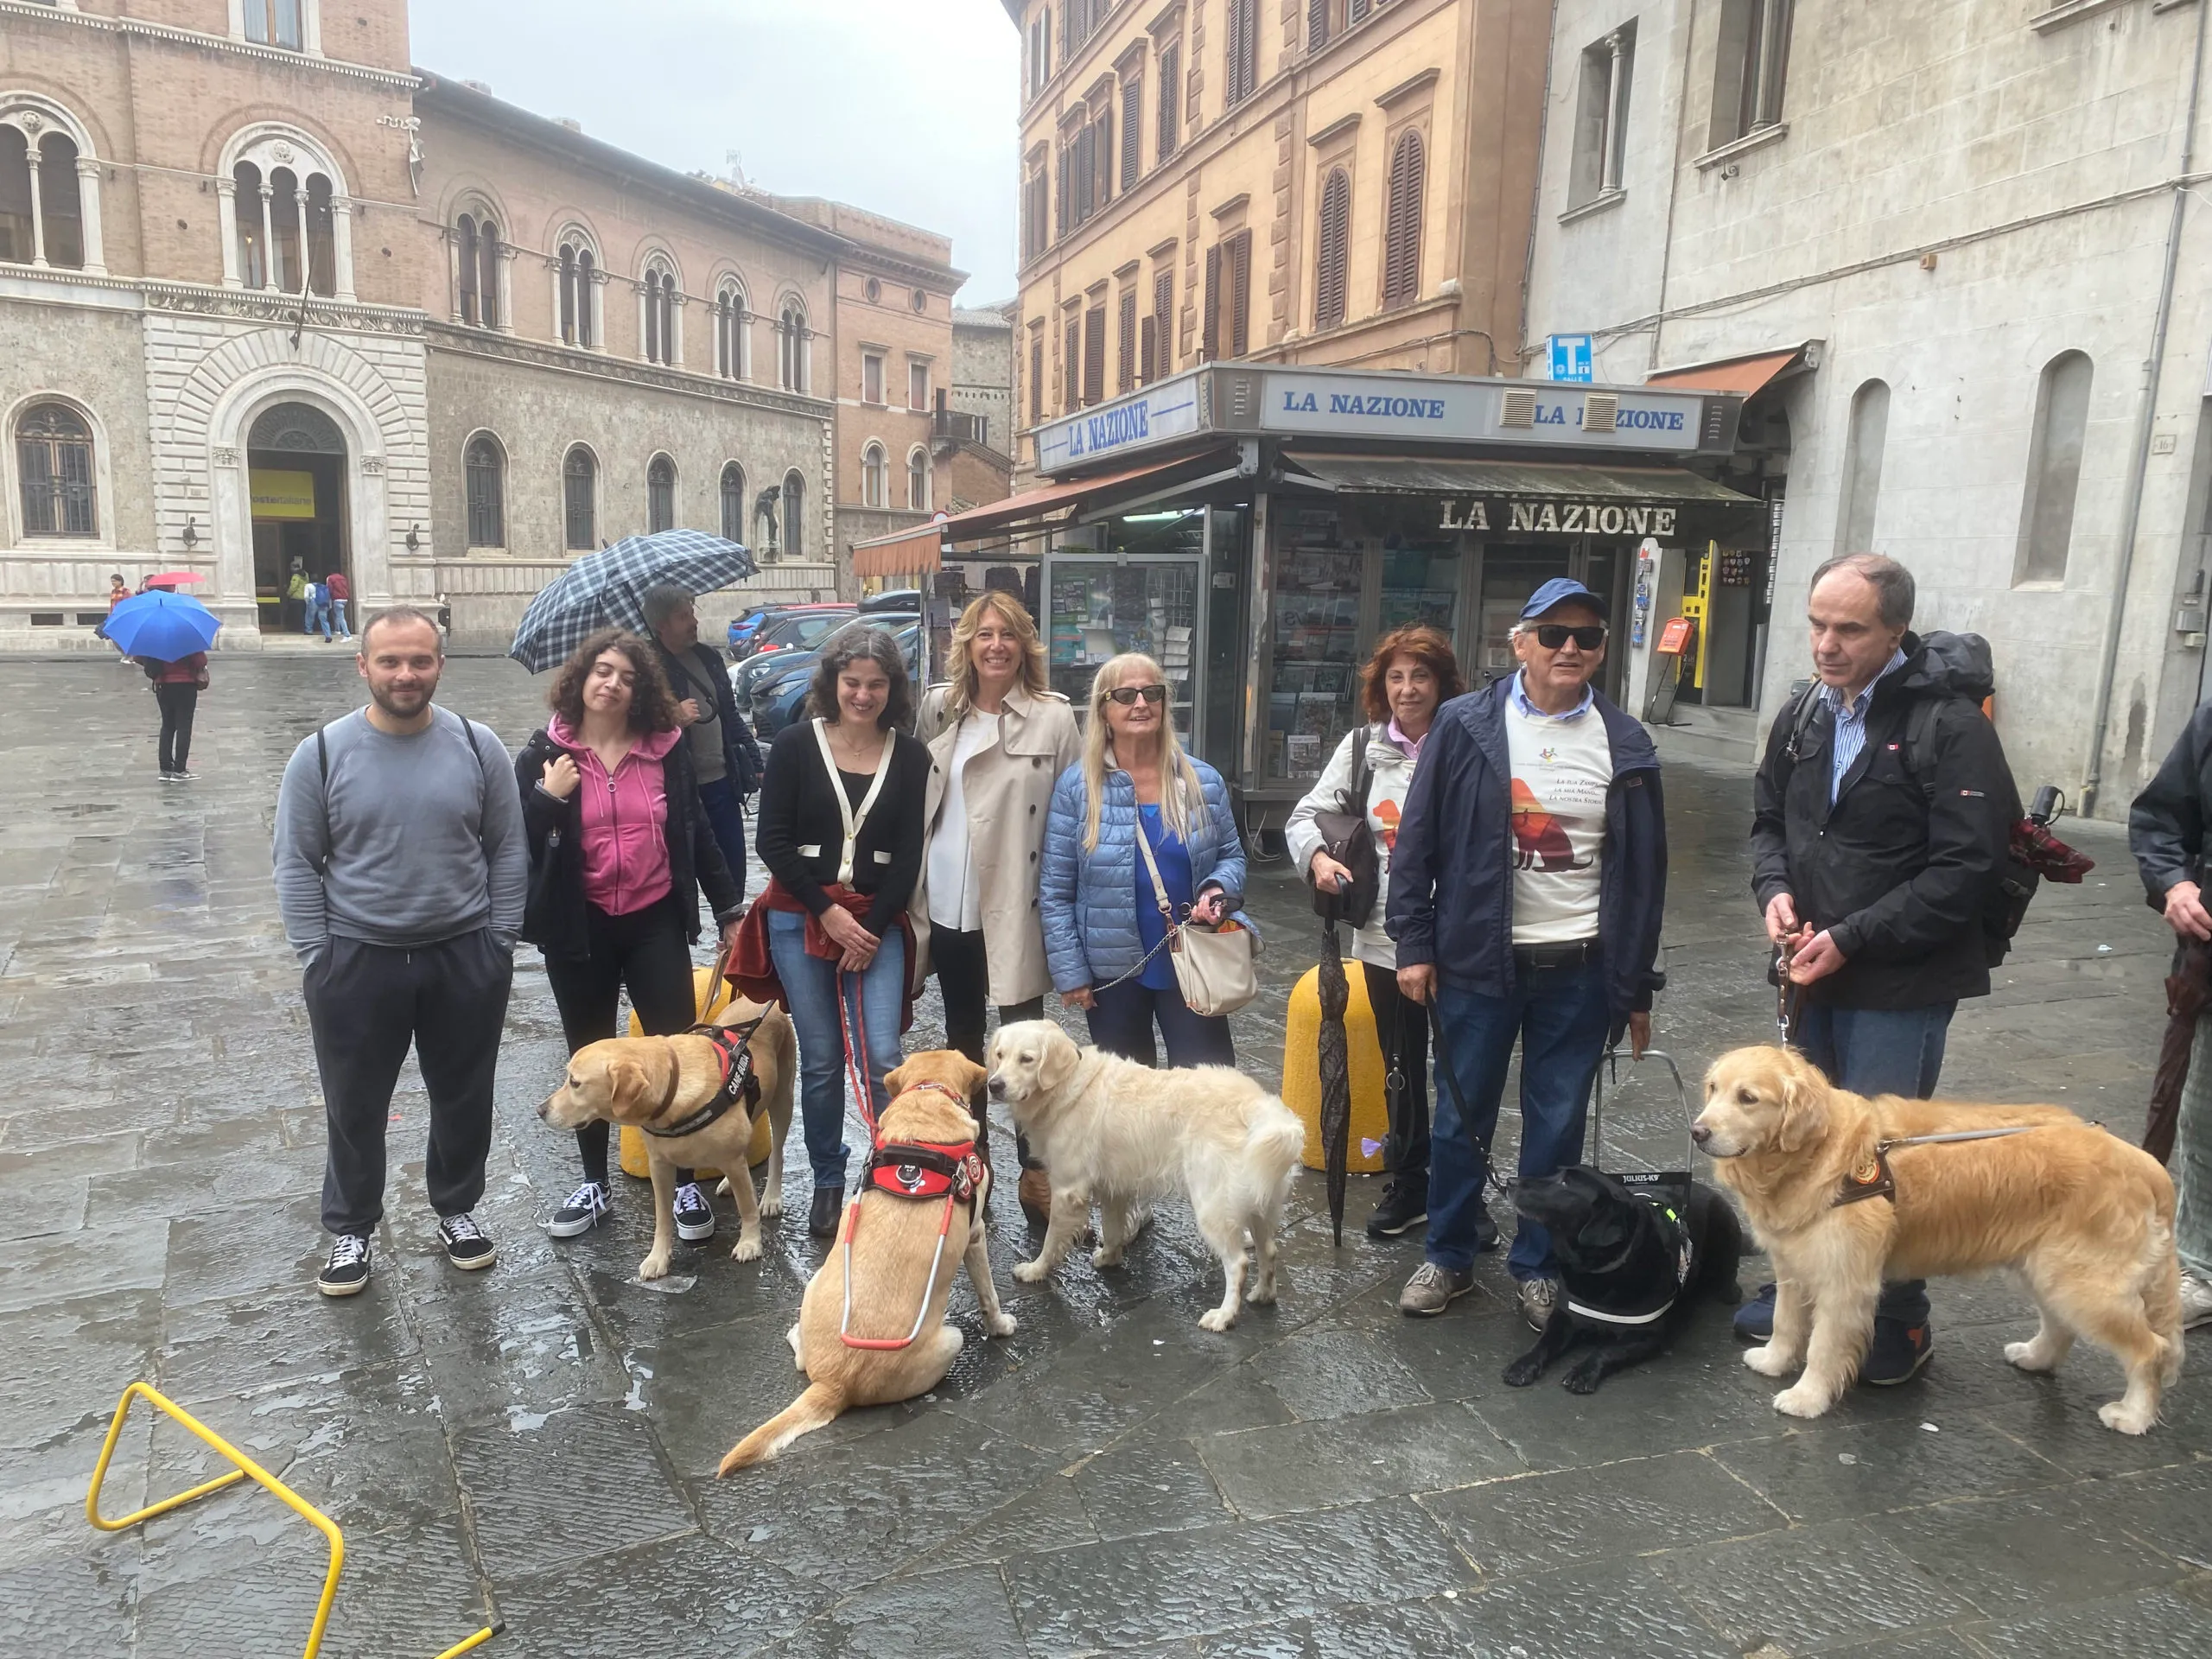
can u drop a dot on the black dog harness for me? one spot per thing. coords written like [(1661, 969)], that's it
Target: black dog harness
[(1675, 1232), (1874, 1179), (732, 1048)]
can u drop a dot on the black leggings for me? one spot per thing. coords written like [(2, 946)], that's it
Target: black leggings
[(177, 704), (1402, 1024), (644, 952), (963, 979)]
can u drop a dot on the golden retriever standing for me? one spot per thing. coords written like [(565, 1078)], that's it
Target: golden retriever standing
[(1111, 1130), (893, 1245), (660, 1081), (2084, 1217)]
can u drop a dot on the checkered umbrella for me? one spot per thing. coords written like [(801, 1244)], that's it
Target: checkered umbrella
[(603, 590)]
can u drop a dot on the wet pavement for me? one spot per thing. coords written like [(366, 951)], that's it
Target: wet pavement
[(540, 1441)]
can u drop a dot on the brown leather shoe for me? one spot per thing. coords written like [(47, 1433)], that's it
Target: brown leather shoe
[(1035, 1191)]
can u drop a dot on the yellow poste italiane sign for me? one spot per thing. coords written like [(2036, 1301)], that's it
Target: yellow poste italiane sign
[(282, 494)]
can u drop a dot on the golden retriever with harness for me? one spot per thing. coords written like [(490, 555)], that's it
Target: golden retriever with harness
[(1845, 1191)]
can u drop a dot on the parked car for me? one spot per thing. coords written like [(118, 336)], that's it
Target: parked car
[(746, 677), (901, 599), (779, 698), (774, 627)]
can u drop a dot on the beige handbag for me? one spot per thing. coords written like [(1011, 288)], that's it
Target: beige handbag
[(1214, 971)]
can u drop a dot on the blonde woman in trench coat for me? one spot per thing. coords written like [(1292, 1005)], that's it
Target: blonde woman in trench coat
[(999, 737)]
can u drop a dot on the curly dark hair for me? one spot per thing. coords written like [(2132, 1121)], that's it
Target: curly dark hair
[(879, 647), (652, 707), (1426, 646)]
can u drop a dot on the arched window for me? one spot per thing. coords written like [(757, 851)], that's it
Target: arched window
[(1862, 469), (917, 480), (578, 289), (873, 484), (42, 197), (1402, 223), (281, 216), (732, 502), (791, 347), (477, 261), (1332, 256), (660, 321), (732, 324), (794, 516), (53, 463), (580, 501), (486, 468), (2054, 469), (660, 495)]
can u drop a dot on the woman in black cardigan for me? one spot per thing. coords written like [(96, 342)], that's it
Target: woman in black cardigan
[(840, 830), (620, 850)]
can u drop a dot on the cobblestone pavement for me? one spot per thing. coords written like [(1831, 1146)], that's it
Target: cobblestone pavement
[(1328, 1478)]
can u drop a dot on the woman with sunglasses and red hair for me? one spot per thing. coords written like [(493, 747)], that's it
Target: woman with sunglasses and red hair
[(1411, 675)]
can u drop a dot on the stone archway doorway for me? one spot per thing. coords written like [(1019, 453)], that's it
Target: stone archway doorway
[(296, 468)]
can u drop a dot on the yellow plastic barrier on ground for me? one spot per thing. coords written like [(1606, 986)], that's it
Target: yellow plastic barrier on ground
[(243, 1468), (711, 995), (1301, 1069)]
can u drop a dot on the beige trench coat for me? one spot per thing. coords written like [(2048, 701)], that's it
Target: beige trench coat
[(1009, 791)]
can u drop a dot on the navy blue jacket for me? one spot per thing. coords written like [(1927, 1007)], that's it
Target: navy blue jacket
[(1451, 871)]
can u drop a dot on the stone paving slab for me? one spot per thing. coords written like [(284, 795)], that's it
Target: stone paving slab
[(1328, 1478)]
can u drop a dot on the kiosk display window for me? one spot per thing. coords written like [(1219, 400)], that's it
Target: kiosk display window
[(1314, 650), (1136, 588)]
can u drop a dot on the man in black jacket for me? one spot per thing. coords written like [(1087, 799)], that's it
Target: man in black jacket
[(2166, 832), (723, 752), (1882, 810)]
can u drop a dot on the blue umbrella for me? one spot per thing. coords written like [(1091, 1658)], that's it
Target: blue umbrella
[(604, 590), (161, 625)]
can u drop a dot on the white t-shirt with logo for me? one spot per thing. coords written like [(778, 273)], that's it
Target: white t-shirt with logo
[(1561, 770)]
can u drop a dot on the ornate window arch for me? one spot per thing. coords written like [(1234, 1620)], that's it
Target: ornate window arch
[(578, 276), (285, 215), (733, 332), (482, 295), (580, 498), (660, 493), (484, 464), (874, 485), (792, 342), (49, 187), (57, 470), (659, 292), (918, 479), (733, 503)]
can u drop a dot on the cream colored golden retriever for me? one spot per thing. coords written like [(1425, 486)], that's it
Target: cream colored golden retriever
[(893, 1249), (660, 1081), (1121, 1134), (2086, 1219)]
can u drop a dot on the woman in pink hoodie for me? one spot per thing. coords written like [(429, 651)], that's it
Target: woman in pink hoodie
[(619, 851)]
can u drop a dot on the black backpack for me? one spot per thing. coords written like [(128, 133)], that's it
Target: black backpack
[(2003, 911)]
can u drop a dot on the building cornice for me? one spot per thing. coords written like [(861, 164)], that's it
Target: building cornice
[(323, 316), (567, 359), (398, 80)]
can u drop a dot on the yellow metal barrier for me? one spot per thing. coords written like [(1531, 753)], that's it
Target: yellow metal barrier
[(245, 1468)]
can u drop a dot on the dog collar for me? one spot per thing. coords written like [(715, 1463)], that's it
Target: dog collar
[(732, 1048)]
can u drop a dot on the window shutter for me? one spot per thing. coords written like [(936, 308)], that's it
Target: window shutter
[(1037, 379), (1402, 224), (1163, 315), (1094, 355), (1209, 330), (1070, 374), (1125, 375), (1171, 95), (1358, 9), (1105, 141), (1331, 285), (1317, 24), (1060, 192), (1240, 293), (1132, 133), (1085, 167), (1149, 350)]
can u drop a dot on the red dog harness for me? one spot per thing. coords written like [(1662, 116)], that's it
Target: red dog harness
[(922, 1171)]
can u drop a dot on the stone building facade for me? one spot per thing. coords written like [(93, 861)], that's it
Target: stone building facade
[(270, 293), (1952, 252), (1314, 182)]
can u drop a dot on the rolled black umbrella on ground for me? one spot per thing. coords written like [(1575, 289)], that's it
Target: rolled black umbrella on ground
[(1335, 1074)]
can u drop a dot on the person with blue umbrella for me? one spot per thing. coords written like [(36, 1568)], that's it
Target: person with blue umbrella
[(167, 634)]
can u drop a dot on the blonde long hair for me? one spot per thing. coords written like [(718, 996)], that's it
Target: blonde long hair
[(1174, 764), (961, 694)]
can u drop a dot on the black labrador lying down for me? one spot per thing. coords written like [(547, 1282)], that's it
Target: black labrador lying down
[(1632, 1264)]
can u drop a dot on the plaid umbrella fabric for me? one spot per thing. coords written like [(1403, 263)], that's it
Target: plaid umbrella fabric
[(603, 590)]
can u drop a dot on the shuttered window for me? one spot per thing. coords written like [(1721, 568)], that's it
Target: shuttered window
[(1148, 350), (1037, 377), (485, 469), (1163, 326), (1125, 372), (1331, 256), (1094, 355), (1402, 224), (1060, 192), (1242, 57), (1209, 326), (1239, 248), (1170, 100), (1131, 132), (1085, 169), (1071, 368), (1317, 24)]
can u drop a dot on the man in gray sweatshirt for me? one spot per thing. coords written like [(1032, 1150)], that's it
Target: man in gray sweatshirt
[(401, 873)]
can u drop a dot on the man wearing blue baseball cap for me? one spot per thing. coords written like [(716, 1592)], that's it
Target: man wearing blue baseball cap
[(1525, 892)]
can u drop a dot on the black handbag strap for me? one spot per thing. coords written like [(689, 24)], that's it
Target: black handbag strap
[(1363, 775)]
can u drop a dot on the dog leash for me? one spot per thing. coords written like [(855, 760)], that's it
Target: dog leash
[(1789, 995)]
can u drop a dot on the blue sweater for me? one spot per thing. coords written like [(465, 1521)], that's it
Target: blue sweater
[(1088, 901)]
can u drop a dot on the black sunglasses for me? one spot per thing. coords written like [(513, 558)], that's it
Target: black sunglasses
[(1127, 695), (1551, 635)]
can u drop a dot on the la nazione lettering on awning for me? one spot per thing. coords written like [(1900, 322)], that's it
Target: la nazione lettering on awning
[(1558, 517)]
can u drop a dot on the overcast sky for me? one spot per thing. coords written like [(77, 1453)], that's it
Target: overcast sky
[(907, 107)]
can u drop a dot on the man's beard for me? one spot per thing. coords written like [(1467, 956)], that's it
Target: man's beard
[(402, 705)]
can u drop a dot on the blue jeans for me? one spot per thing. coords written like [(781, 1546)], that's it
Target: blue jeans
[(1121, 1021), (315, 613), (1881, 1052), (726, 817), (812, 991), (337, 618), (1559, 1016)]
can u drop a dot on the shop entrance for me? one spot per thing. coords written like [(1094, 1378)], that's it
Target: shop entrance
[(295, 457)]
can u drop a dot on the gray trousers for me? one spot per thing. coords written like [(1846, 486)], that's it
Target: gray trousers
[(2192, 1160)]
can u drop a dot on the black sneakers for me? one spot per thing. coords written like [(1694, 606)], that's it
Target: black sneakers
[(466, 1246), (695, 1216), (585, 1210), (347, 1273), (829, 1209), (1897, 1353), (1405, 1204)]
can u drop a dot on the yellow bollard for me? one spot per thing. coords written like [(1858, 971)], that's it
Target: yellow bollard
[(710, 995), (245, 1468), (1301, 1069)]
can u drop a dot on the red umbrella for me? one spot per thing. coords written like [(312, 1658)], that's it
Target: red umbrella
[(175, 577)]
